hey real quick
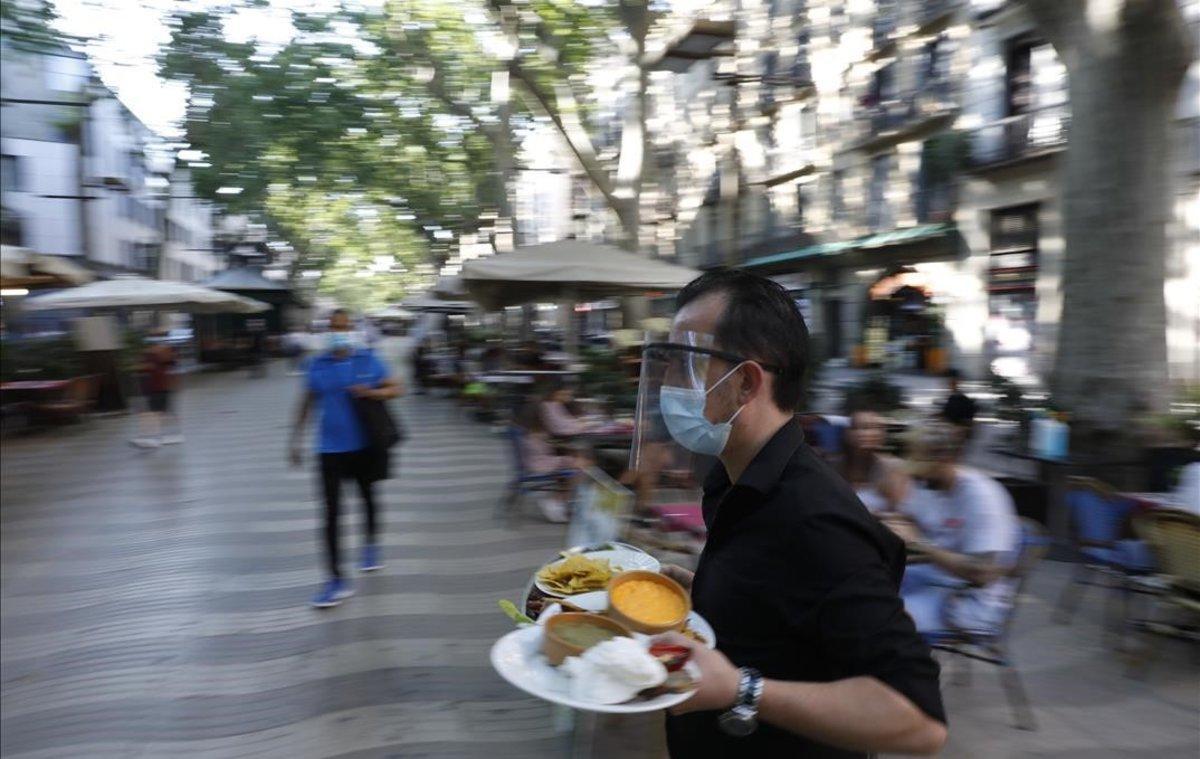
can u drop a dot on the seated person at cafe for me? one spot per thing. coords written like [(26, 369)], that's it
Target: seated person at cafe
[(958, 408), (878, 479), (539, 457), (963, 525), (557, 415)]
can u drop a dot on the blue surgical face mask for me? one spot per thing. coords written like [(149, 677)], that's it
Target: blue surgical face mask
[(683, 412), (340, 342)]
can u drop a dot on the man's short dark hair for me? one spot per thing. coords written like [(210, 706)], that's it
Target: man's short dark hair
[(760, 322)]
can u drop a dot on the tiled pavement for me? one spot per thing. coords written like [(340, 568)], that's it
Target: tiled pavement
[(155, 605)]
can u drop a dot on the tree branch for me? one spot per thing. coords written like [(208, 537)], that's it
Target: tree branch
[(574, 135), (437, 88)]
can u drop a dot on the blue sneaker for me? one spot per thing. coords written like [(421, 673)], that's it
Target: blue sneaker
[(370, 558), (332, 593)]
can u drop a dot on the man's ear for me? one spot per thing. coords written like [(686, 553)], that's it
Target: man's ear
[(753, 382)]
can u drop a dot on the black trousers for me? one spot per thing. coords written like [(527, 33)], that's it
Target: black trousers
[(335, 467)]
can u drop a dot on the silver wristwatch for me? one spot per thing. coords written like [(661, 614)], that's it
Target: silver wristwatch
[(742, 719)]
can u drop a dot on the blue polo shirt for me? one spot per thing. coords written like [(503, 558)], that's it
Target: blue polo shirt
[(329, 379)]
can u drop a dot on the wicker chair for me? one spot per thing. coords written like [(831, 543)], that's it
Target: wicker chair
[(78, 399), (1174, 537)]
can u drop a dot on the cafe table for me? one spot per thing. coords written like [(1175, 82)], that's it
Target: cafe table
[(34, 386)]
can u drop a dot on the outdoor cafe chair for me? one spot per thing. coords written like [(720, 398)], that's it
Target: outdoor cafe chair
[(525, 482), (1099, 519), (1174, 537), (992, 645), (78, 399)]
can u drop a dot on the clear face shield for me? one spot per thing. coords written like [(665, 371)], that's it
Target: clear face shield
[(686, 403)]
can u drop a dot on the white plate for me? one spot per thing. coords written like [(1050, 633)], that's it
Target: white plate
[(620, 559), (519, 660), (597, 602)]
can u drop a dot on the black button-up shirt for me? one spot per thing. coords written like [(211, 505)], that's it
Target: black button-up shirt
[(800, 582)]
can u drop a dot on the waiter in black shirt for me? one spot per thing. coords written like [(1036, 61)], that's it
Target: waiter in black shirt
[(815, 655)]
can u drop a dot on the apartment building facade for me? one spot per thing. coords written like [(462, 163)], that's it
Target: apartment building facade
[(895, 163), (82, 176)]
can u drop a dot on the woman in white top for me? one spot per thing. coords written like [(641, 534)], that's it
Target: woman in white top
[(880, 480)]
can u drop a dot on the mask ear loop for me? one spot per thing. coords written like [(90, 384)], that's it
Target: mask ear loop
[(726, 376)]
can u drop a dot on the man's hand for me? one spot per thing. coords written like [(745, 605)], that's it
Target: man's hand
[(361, 391), (679, 575), (718, 677)]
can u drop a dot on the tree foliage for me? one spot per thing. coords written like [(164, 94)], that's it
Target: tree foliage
[(29, 25), (389, 114)]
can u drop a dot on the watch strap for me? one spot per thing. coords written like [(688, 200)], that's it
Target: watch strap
[(750, 688)]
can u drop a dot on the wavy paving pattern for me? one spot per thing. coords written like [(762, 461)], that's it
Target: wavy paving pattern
[(156, 604)]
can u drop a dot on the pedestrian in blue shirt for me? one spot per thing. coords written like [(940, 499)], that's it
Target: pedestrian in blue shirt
[(345, 370)]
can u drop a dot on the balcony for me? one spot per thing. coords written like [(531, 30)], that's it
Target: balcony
[(1021, 138), (883, 35), (703, 40), (915, 117), (934, 16)]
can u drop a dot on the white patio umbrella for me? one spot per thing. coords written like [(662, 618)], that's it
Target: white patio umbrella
[(139, 292), (568, 270), (21, 267)]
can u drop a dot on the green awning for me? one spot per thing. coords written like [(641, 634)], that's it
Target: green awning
[(902, 236), (881, 240), (823, 249)]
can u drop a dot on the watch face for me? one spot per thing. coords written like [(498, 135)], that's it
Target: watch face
[(738, 722)]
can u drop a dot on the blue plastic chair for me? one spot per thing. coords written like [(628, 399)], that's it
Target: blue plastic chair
[(1098, 518), (525, 482), (992, 645), (822, 434)]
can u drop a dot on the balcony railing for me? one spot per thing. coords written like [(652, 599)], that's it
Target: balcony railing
[(883, 28), (908, 117), (933, 13), (1020, 138)]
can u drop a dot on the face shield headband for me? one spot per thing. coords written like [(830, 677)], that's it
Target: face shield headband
[(676, 381)]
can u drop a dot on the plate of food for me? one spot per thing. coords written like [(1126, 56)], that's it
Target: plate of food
[(590, 662), (596, 602), (590, 571)]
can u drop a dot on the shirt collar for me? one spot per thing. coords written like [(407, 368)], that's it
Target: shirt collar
[(766, 467)]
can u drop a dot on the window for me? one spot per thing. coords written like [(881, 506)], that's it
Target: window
[(935, 67), (10, 173), (1012, 293), (879, 214), (801, 202), (1034, 77), (10, 228), (837, 201), (808, 132)]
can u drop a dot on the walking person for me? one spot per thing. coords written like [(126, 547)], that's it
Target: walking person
[(344, 371), (815, 656), (158, 381)]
